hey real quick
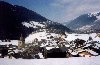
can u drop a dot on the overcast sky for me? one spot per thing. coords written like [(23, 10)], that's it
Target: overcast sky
[(59, 10)]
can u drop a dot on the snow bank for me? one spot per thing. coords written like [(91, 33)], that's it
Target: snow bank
[(53, 61)]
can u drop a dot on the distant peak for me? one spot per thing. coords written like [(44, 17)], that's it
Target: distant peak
[(94, 14)]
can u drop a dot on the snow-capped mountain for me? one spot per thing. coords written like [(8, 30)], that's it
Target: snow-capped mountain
[(86, 23), (16, 20)]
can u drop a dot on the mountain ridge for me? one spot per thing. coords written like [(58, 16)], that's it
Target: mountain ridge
[(12, 16), (86, 23)]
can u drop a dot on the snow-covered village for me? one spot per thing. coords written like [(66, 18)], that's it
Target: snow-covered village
[(50, 46), (40, 33)]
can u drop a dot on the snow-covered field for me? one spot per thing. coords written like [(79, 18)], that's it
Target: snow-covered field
[(70, 37), (53, 61), (82, 36)]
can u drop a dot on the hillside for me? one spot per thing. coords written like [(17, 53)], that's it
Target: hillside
[(12, 17)]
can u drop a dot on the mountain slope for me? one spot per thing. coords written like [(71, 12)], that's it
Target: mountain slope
[(12, 17), (86, 23)]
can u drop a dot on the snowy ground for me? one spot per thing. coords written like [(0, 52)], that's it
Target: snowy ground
[(82, 36), (53, 61)]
